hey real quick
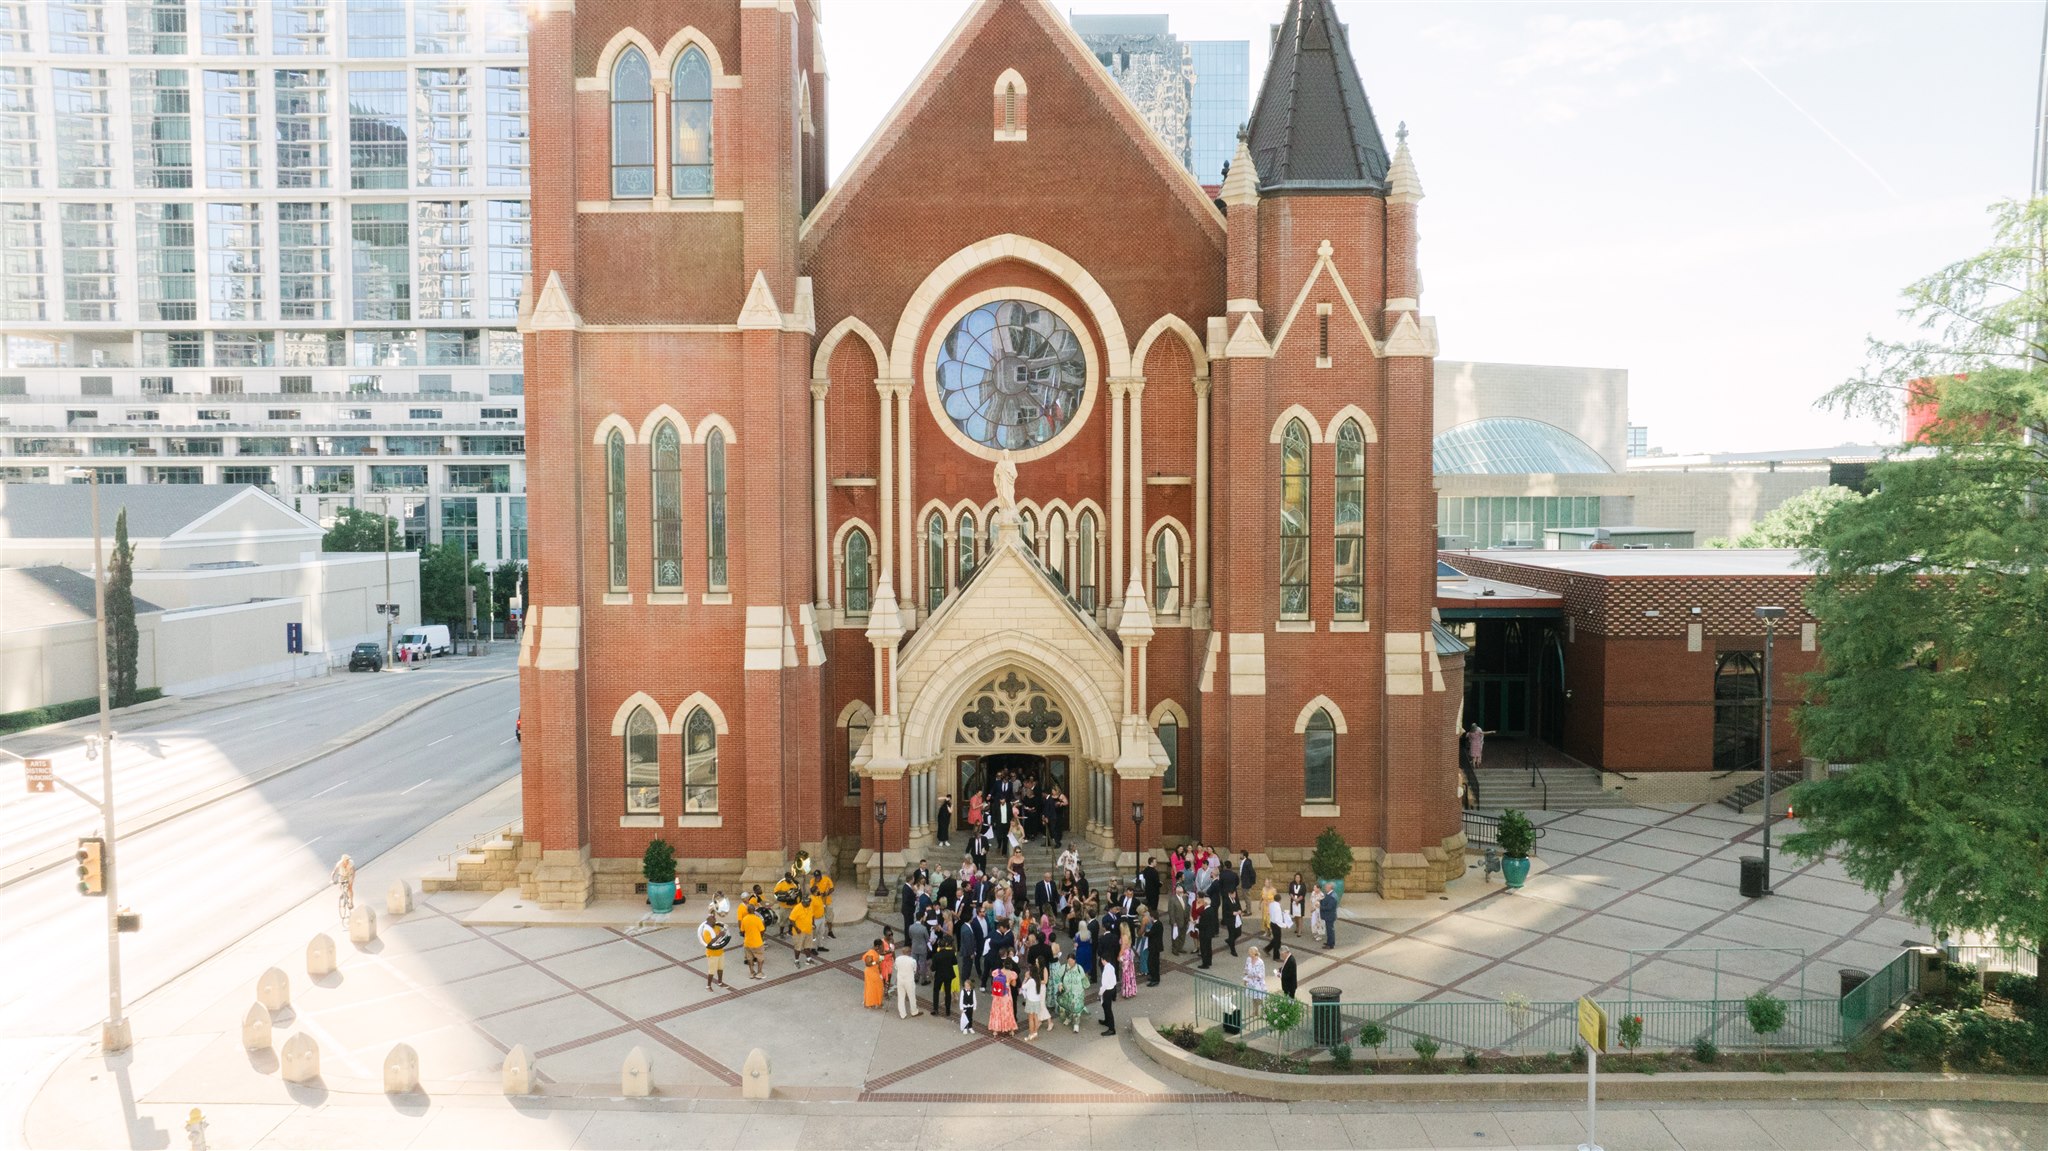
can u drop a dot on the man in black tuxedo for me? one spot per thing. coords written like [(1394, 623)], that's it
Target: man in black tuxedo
[(1287, 972), (1247, 875), (1155, 943), (1205, 930), (1148, 879), (1045, 895)]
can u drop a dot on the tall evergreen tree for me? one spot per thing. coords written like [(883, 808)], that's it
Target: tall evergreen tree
[(1932, 594), (123, 641)]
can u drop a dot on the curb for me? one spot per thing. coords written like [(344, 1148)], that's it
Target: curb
[(1615, 1086), (177, 808)]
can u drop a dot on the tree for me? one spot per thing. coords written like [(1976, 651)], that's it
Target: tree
[(1931, 595), (441, 567), (1792, 523), (361, 530), (123, 640), (506, 585)]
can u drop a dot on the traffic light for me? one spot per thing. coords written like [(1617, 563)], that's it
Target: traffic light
[(92, 875)]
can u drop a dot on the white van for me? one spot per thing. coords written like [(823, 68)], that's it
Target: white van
[(425, 640)]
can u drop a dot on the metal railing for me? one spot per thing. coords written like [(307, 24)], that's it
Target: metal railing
[(2016, 958), (475, 842), (1483, 830), (1870, 1001)]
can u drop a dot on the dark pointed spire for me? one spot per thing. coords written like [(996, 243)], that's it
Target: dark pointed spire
[(1312, 129)]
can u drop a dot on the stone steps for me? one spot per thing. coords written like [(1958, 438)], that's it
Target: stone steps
[(1749, 794), (1571, 790)]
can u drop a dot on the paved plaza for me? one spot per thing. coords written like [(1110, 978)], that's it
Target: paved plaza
[(580, 997)]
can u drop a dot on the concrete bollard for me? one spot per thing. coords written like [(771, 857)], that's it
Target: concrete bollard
[(754, 1080), (518, 1071), (636, 1079), (274, 990), (301, 1059), (362, 924), (398, 900), (256, 1028), (320, 956), (401, 1070)]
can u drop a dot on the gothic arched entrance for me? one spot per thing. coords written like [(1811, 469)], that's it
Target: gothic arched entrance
[(1012, 726)]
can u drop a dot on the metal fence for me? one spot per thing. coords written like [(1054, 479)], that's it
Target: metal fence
[(1990, 957), (1552, 1026)]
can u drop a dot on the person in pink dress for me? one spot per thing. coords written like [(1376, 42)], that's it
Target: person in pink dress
[(1002, 1006), (1127, 964)]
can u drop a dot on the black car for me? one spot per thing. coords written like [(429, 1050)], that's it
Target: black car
[(366, 655)]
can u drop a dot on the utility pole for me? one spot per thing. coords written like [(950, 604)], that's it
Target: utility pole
[(114, 1034), (390, 609), (1770, 616), (490, 604)]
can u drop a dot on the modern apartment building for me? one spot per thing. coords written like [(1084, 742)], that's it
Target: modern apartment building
[(1196, 94), (274, 242)]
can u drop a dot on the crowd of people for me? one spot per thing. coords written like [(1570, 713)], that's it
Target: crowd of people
[(994, 946)]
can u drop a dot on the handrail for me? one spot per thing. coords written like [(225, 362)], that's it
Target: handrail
[(470, 845)]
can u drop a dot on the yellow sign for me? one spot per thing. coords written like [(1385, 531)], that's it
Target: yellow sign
[(1593, 1025)]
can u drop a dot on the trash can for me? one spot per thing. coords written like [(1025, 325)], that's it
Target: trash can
[(1852, 979), (1233, 1021), (1328, 1020), (1754, 882)]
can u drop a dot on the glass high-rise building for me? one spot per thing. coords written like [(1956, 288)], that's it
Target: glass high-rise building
[(1194, 93), (274, 242)]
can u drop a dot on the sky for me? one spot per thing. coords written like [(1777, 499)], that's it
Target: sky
[(1723, 199)]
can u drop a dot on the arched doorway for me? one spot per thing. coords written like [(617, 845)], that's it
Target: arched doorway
[(1014, 724)]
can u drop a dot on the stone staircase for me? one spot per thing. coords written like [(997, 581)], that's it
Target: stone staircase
[(489, 864), (1751, 793), (1569, 790)]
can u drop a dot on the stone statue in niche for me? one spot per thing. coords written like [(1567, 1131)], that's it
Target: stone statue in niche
[(1006, 490)]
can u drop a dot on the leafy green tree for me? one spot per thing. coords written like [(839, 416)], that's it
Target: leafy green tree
[(362, 530), (505, 586), (123, 640), (1932, 594), (1792, 523), (441, 567)]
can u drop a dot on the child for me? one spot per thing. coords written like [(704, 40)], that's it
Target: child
[(966, 1006)]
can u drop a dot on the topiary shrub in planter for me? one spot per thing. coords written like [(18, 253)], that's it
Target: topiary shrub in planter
[(1331, 859), (1283, 1013), (658, 864), (1766, 1013), (1340, 1054), (1372, 1035), (1517, 837), (1426, 1049), (1704, 1051)]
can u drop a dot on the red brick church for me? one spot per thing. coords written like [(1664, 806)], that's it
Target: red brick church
[(1013, 448)]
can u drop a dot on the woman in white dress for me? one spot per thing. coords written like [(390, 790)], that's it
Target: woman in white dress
[(1255, 975), (1033, 994)]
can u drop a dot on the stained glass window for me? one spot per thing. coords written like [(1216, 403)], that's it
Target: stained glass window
[(632, 128), (615, 506), (643, 764), (700, 764), (858, 592), (1011, 375), (1294, 521), (1319, 758), (714, 498), (1349, 544), (689, 111), (667, 464)]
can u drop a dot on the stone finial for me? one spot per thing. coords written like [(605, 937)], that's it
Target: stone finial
[(755, 1081), (301, 1057), (1248, 342), (885, 617), (398, 900), (1403, 185), (256, 1028), (636, 1076), (320, 956), (518, 1073), (1241, 185), (1135, 624), (552, 312), (759, 310), (402, 1070), (274, 990)]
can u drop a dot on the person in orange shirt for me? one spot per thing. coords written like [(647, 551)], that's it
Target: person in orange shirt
[(823, 886), (800, 928), (752, 927), (821, 915)]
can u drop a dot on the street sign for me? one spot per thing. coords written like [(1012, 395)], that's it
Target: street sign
[(39, 777), (1593, 1026)]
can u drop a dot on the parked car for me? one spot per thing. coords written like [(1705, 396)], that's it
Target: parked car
[(366, 657), (425, 640)]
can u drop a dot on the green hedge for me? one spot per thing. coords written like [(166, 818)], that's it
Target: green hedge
[(13, 721)]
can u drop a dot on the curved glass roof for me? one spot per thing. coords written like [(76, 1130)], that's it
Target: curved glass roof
[(1510, 445)]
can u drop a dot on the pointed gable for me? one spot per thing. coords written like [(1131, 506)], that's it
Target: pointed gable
[(1312, 128)]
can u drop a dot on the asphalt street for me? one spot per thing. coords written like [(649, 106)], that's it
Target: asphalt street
[(206, 878)]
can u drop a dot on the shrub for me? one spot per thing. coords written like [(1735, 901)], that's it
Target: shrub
[(1340, 1054), (658, 862), (1283, 1013), (14, 721), (1976, 1039), (1704, 1051), (1372, 1035), (2018, 988), (1629, 1029), (1516, 835), (1578, 1055), (1332, 856), (1426, 1049), (1210, 1045), (1471, 1059), (1766, 1013), (1239, 1049), (1923, 1036)]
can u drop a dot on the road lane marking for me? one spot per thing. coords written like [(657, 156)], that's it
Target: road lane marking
[(318, 794), (272, 723), (443, 739), (417, 786), (506, 740)]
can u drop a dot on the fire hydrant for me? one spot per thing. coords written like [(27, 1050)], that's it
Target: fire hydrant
[(195, 1131)]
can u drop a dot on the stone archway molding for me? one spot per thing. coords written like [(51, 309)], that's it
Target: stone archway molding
[(1092, 715), (1008, 246)]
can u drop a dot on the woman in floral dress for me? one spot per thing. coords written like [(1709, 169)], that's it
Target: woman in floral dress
[(1002, 1010), (1069, 994), (1126, 964)]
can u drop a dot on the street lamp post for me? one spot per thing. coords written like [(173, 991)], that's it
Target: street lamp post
[(390, 608), (114, 1034), (1770, 616), (881, 849), (1138, 832)]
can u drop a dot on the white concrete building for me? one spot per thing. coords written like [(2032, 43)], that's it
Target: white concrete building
[(277, 243), (231, 589)]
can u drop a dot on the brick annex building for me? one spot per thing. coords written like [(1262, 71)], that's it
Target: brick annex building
[(774, 583)]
